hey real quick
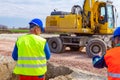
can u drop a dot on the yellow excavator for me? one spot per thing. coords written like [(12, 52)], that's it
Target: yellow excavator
[(89, 26)]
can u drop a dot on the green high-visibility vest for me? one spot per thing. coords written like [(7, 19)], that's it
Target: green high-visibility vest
[(31, 56)]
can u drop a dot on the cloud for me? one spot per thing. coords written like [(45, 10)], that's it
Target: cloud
[(28, 9), (37, 8), (33, 8)]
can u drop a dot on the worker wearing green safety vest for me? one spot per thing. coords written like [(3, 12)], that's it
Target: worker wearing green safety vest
[(31, 53)]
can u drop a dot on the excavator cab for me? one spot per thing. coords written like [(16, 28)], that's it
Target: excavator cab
[(106, 22), (107, 15)]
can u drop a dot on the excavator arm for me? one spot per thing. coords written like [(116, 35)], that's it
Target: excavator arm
[(88, 13), (88, 4)]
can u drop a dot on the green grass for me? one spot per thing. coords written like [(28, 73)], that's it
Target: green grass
[(18, 31)]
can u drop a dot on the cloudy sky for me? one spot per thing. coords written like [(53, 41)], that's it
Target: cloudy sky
[(17, 13)]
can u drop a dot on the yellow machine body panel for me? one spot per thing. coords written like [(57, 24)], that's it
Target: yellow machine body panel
[(66, 23)]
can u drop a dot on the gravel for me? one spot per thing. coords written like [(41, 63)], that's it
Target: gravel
[(73, 59)]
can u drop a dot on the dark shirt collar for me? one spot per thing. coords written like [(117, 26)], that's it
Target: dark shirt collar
[(117, 45)]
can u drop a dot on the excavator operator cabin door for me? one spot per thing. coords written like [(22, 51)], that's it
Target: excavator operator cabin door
[(106, 16)]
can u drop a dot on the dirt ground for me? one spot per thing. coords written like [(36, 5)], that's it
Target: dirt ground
[(75, 59)]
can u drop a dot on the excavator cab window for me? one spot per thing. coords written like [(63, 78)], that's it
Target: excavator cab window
[(102, 16), (110, 16)]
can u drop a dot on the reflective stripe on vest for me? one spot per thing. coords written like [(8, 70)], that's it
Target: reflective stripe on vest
[(115, 75), (31, 66), (31, 58)]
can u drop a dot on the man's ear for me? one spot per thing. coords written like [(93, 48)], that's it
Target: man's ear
[(34, 29)]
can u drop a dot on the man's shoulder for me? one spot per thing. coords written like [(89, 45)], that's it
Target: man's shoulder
[(22, 36), (39, 38), (114, 49), (42, 38)]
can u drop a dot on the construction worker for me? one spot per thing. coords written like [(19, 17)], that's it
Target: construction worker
[(111, 59), (31, 53)]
